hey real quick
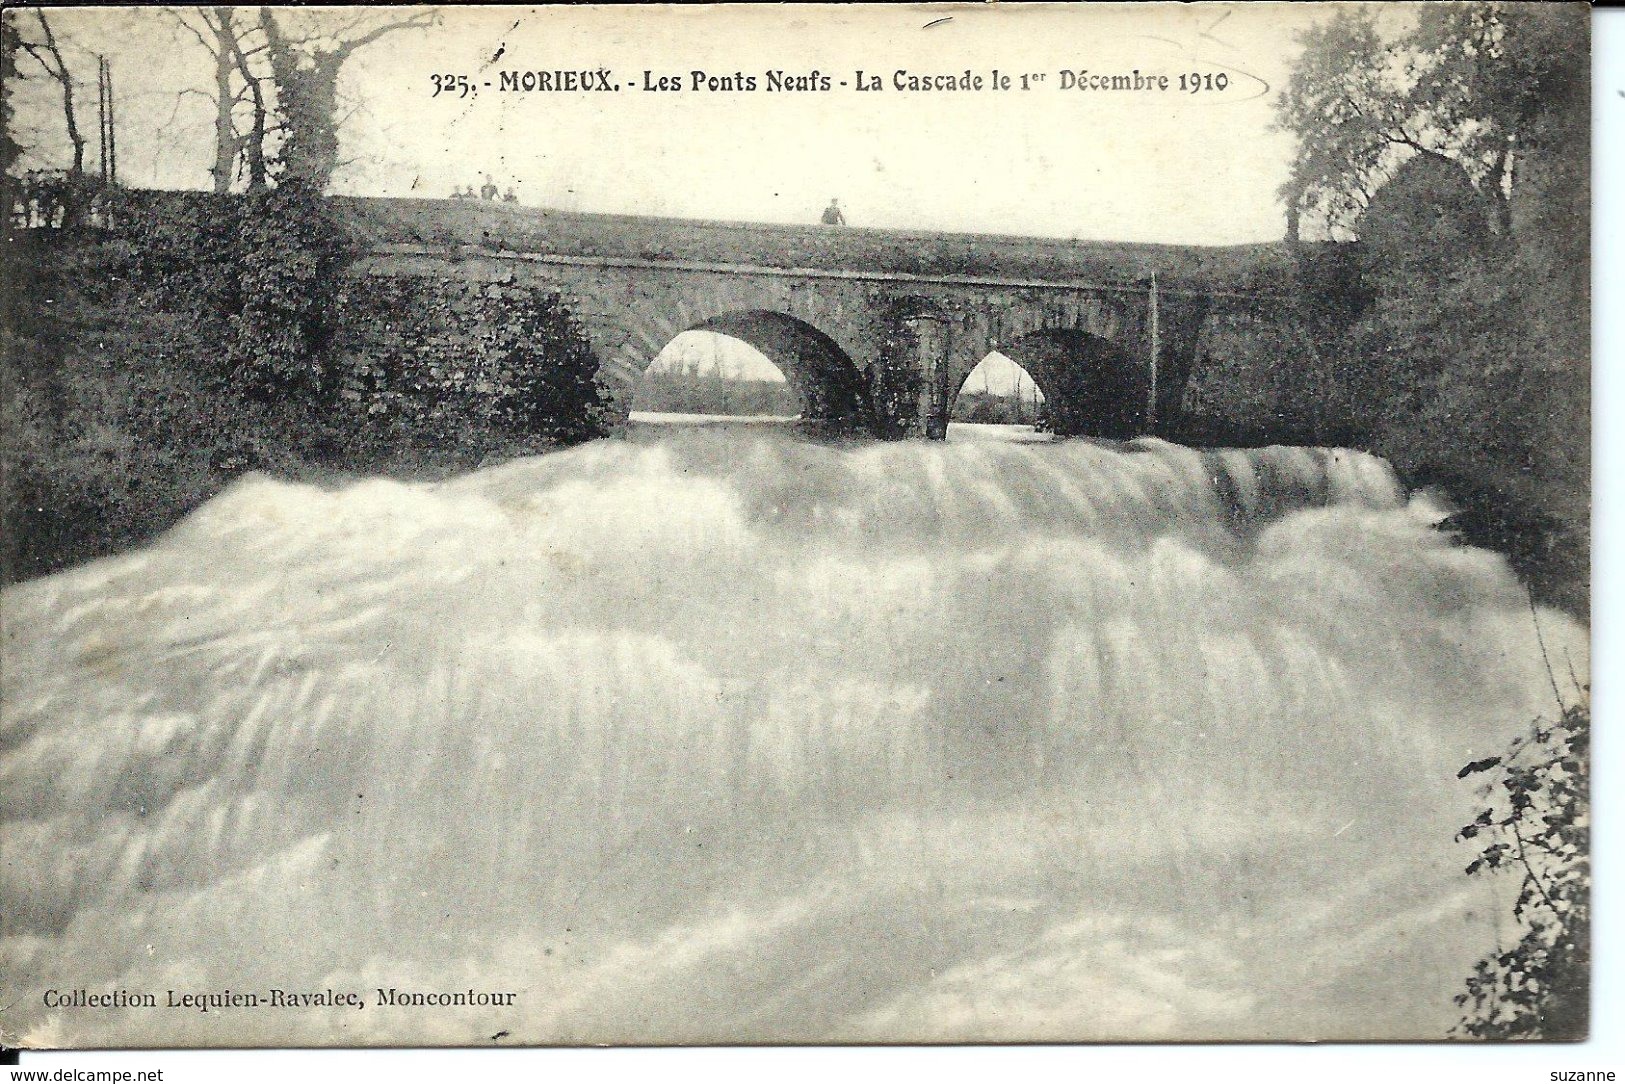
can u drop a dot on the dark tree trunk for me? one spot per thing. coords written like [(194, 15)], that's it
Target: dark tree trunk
[(307, 80), (254, 147), (306, 97), (225, 132), (64, 79)]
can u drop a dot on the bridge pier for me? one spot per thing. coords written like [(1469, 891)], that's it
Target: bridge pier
[(1181, 326), (929, 334)]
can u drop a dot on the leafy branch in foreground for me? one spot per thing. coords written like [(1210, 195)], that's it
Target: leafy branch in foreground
[(1536, 823)]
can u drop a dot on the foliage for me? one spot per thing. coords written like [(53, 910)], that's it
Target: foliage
[(1456, 377), (1424, 335), (1452, 374), (1469, 83), (292, 254), (445, 371), (187, 337), (255, 273), (118, 420), (148, 363), (10, 149), (1427, 207), (1536, 823), (1343, 105), (306, 99), (693, 391), (1458, 352), (992, 408), (1261, 373), (180, 250)]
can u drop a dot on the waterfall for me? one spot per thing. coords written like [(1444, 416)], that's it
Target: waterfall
[(737, 737)]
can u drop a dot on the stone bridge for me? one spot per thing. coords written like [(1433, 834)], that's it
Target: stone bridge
[(876, 329)]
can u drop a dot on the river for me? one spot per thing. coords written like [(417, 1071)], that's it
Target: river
[(731, 736)]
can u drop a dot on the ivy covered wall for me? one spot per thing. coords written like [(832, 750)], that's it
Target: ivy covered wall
[(453, 372)]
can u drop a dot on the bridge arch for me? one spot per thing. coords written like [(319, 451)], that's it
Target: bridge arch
[(999, 391), (826, 380), (1091, 385), (827, 383), (802, 332), (705, 373)]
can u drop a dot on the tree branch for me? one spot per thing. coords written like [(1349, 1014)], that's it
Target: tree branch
[(65, 80), (252, 147), (418, 21), (194, 31), (1530, 870), (32, 50)]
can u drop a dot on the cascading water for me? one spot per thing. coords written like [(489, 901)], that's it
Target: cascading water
[(735, 737)]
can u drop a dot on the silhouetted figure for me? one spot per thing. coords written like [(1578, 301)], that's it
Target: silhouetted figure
[(488, 190), (509, 197), (833, 215)]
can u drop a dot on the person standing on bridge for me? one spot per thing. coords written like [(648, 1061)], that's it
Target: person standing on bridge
[(833, 215)]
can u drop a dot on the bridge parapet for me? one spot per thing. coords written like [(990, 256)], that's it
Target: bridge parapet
[(510, 228)]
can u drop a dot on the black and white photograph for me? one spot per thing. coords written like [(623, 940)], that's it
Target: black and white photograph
[(745, 525)]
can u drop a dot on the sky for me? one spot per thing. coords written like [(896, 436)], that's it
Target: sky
[(1160, 166), (708, 352)]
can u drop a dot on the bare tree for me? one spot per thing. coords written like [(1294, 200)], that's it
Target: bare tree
[(306, 74), (222, 36), (48, 54), (254, 140), (225, 130)]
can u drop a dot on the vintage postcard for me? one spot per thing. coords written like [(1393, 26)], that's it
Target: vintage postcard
[(795, 524)]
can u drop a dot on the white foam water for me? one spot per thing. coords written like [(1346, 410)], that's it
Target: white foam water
[(734, 737)]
